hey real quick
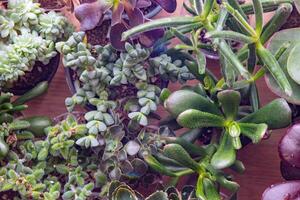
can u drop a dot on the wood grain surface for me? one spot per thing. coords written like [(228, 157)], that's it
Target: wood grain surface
[(261, 161)]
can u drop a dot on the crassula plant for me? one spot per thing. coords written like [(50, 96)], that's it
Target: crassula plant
[(127, 82), (27, 35), (124, 15)]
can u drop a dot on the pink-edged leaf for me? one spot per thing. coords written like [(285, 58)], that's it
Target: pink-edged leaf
[(116, 35), (167, 5), (147, 39), (117, 14), (89, 15), (135, 16), (143, 3), (289, 146), (283, 191)]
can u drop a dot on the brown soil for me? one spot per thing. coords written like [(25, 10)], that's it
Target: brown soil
[(99, 35), (39, 73), (52, 4)]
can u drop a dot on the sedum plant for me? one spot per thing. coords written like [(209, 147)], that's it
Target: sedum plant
[(28, 35)]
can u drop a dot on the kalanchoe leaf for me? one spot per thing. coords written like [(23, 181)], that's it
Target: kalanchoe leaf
[(286, 190), (289, 172), (225, 155), (117, 14), (167, 5), (288, 146), (115, 33), (89, 14)]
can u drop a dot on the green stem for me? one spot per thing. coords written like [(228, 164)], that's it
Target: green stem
[(268, 5), (258, 10), (161, 23), (240, 19)]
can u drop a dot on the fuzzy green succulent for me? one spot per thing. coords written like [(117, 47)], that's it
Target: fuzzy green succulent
[(28, 35)]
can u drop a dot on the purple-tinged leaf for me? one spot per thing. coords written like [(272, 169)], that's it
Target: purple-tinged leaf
[(117, 14), (149, 38), (89, 15), (135, 16), (116, 34), (143, 3), (289, 146), (288, 172), (283, 191), (167, 5)]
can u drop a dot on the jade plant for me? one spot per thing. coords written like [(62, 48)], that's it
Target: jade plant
[(27, 34), (92, 14)]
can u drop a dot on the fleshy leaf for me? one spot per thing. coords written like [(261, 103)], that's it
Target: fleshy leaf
[(230, 101), (286, 190), (277, 114), (89, 14), (197, 119), (178, 153), (293, 66), (253, 131), (167, 5), (115, 36), (289, 146), (182, 100), (225, 154)]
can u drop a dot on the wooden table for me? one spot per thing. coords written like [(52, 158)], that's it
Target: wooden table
[(261, 161)]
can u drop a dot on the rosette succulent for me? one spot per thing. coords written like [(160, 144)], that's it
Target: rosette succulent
[(28, 35)]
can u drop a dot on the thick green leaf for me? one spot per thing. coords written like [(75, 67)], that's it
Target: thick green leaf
[(200, 189), (210, 190), (253, 131), (182, 100), (153, 163), (230, 101), (275, 69), (277, 114), (225, 155), (277, 41), (178, 153), (197, 119), (293, 64)]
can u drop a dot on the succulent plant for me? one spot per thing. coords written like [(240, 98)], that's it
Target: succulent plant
[(100, 68), (28, 34), (91, 14)]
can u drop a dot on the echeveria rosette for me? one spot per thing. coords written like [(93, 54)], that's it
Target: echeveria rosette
[(91, 14), (253, 126)]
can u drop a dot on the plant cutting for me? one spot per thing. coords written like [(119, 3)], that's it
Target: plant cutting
[(27, 45), (123, 15)]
